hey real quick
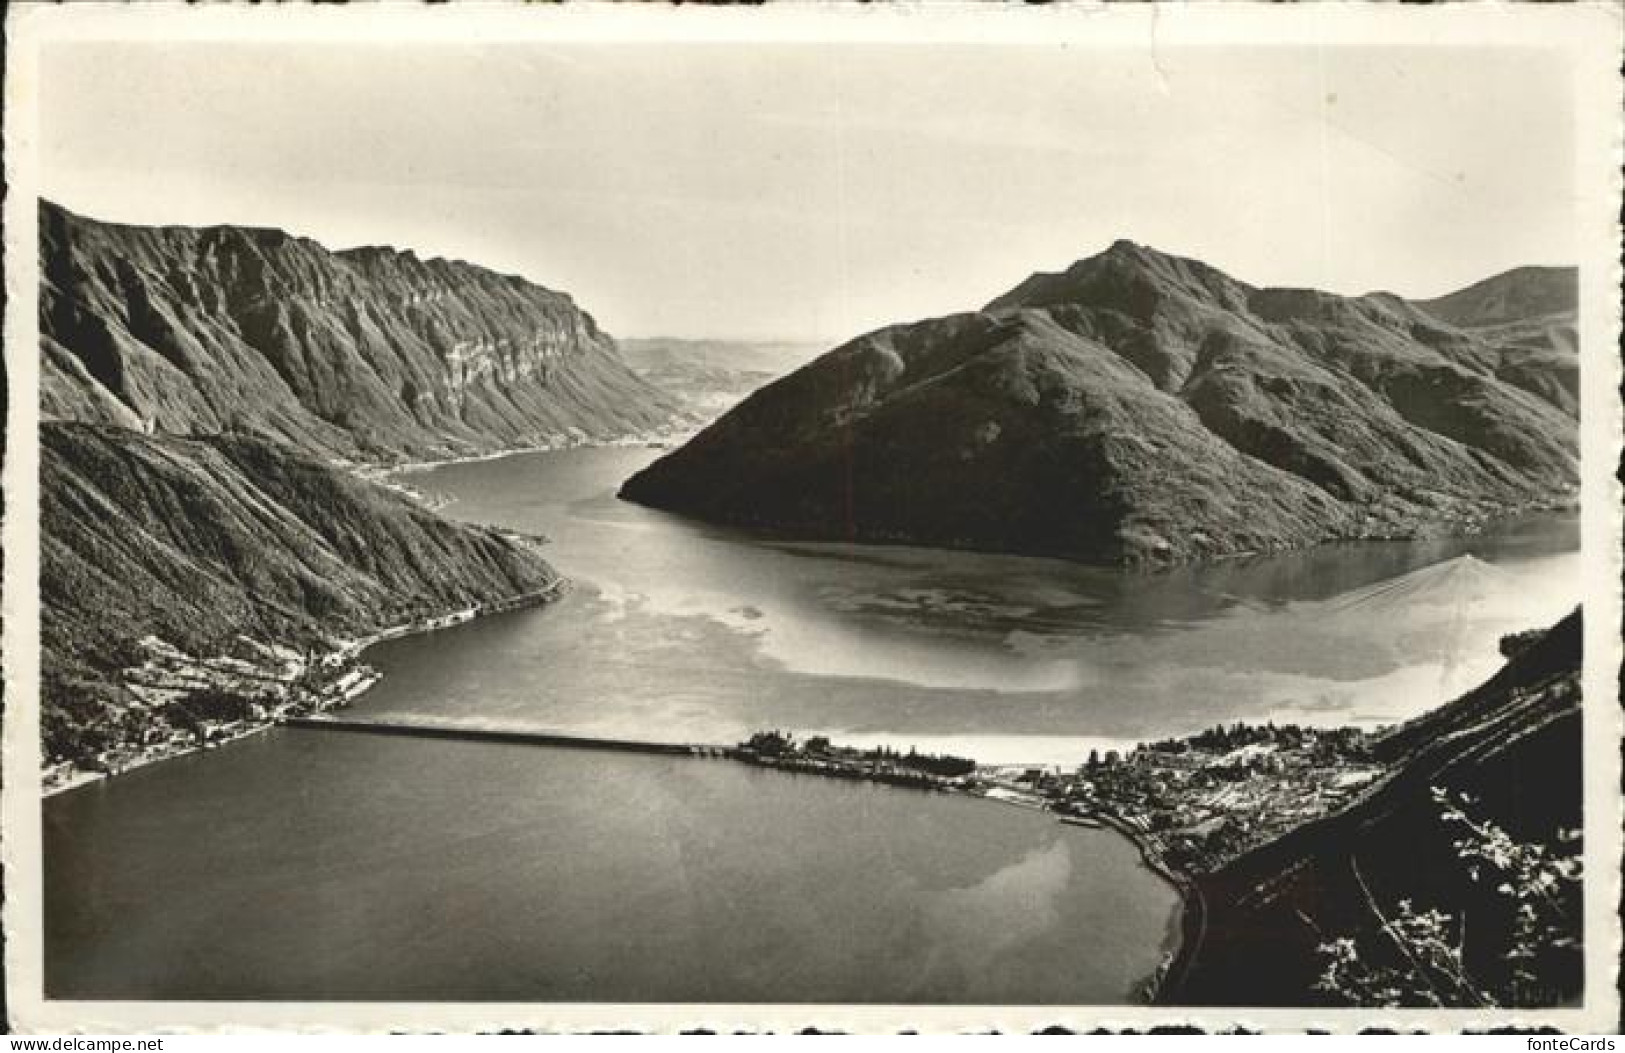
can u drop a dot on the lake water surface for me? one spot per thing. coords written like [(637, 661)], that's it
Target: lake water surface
[(309, 865), (682, 631), (301, 864)]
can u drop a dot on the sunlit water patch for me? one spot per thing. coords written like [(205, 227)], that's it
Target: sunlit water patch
[(684, 630)]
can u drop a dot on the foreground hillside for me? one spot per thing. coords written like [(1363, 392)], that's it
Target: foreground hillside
[(1449, 883), (367, 354), (199, 542), (1139, 407)]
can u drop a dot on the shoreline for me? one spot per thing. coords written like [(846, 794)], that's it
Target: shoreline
[(384, 475), (1187, 928), (1463, 529), (1191, 925), (519, 601), (1184, 933), (346, 695), (1432, 529), (82, 778), (653, 438), (389, 476)]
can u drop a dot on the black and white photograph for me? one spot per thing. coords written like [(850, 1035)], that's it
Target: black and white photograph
[(915, 518)]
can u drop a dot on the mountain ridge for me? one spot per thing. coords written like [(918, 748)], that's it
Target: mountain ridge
[(1138, 408), (708, 376), (1513, 295), (200, 541), (367, 354)]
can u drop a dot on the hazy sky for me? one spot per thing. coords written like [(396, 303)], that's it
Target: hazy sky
[(816, 191)]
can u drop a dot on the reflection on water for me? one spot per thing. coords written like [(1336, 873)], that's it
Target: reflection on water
[(682, 630), (362, 867), (998, 917)]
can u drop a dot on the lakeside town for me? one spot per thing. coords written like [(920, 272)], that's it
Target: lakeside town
[(1192, 804), (180, 702)]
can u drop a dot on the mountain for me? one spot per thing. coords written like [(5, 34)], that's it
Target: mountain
[(1142, 408), (368, 354), (1528, 316), (1510, 747), (199, 541), (1522, 294)]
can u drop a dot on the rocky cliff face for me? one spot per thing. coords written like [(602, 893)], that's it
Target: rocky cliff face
[(202, 541), (1512, 748), (367, 354), (1139, 407)]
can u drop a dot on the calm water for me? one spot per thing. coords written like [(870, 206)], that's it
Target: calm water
[(303, 865), (681, 631)]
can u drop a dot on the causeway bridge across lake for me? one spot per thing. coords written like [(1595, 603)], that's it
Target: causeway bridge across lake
[(513, 737)]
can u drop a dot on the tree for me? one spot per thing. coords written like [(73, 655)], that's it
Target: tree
[(1418, 957), (771, 743)]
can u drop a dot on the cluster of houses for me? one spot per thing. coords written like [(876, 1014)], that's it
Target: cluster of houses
[(1197, 803), (1194, 804), (177, 702), (1200, 802)]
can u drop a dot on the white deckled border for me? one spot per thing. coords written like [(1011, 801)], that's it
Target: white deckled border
[(1589, 33)]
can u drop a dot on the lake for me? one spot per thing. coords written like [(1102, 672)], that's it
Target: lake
[(308, 865), (680, 631), (302, 864)]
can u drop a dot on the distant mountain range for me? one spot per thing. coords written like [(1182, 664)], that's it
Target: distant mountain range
[(709, 376), (1143, 408), (771, 357), (368, 354)]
